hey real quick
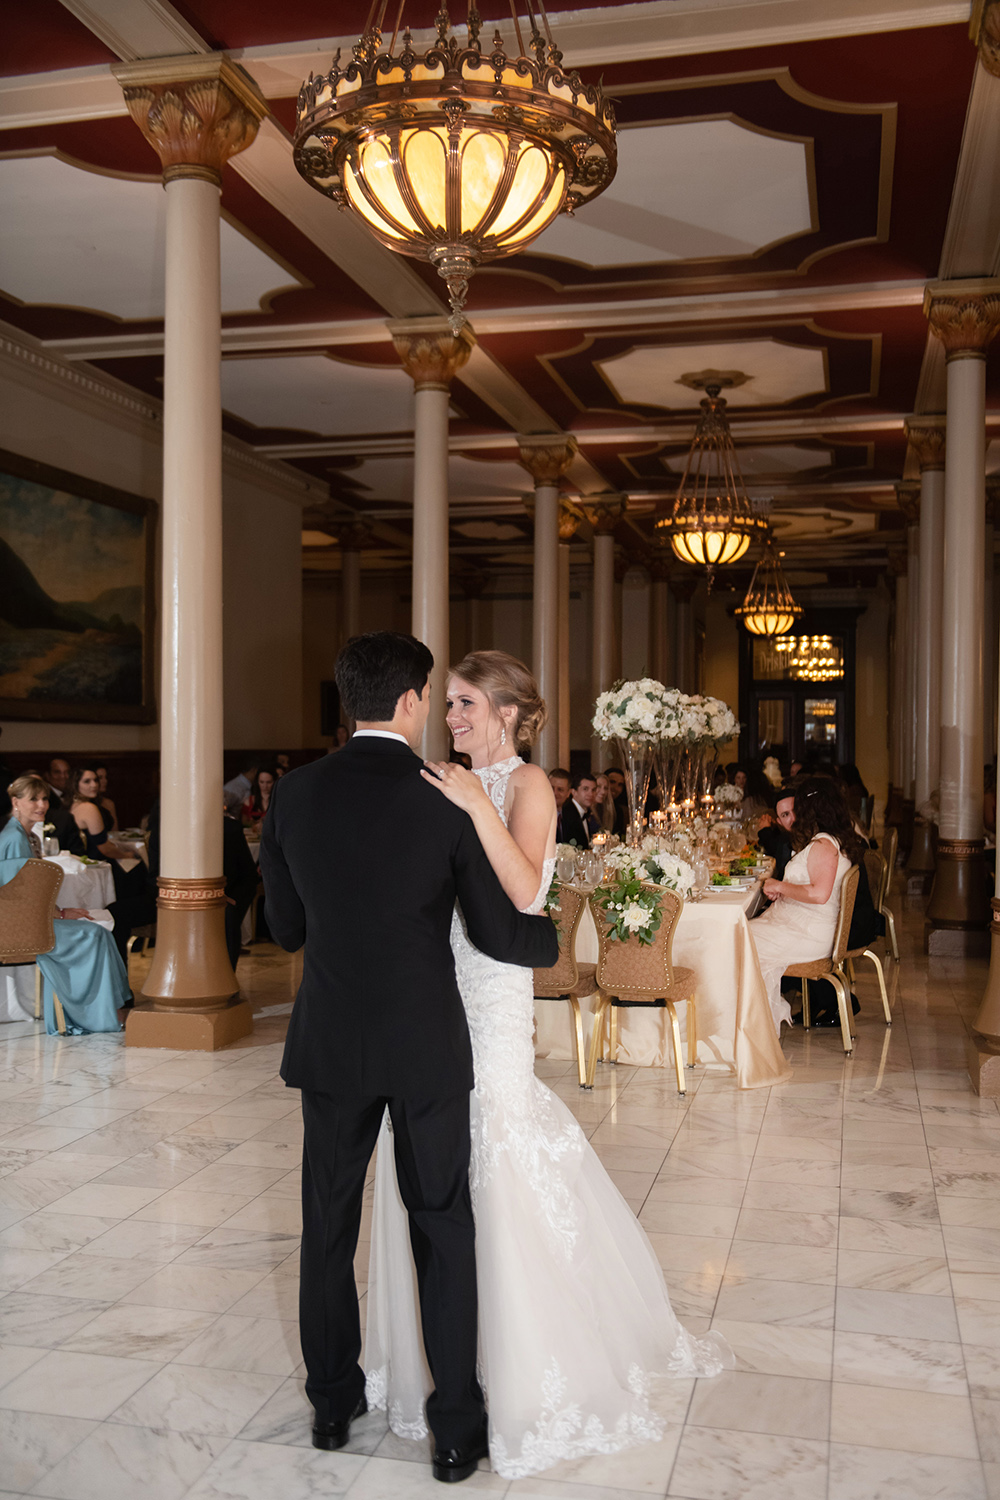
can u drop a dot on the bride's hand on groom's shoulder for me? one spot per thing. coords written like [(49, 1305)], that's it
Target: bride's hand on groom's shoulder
[(458, 785)]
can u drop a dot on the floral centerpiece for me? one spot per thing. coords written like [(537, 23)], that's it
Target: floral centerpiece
[(634, 716), (728, 796), (630, 906)]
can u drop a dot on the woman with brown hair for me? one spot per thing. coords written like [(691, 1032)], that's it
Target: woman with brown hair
[(574, 1314), (800, 925)]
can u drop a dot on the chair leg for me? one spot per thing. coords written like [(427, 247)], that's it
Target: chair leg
[(890, 922), (806, 1017), (881, 984), (581, 1066), (597, 1037), (844, 1006), (692, 1025), (60, 1014), (850, 971), (678, 1054), (38, 993), (613, 1035)]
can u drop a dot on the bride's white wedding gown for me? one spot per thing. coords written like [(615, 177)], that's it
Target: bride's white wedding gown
[(575, 1322)]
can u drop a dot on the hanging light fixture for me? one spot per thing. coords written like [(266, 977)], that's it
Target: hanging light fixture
[(713, 521), (769, 608), (460, 155)]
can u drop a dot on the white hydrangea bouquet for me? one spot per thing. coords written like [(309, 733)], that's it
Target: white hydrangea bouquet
[(640, 707), (631, 908), (727, 795)]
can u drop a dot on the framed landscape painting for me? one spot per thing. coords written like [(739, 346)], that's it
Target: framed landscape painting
[(76, 597)]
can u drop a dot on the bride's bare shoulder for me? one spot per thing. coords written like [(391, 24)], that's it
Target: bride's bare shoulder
[(531, 778)]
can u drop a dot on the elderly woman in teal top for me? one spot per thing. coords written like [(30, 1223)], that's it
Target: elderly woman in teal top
[(83, 968)]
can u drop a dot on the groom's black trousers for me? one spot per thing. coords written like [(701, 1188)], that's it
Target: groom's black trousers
[(431, 1140)]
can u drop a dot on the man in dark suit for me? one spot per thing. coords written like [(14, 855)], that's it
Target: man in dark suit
[(570, 827), (362, 863)]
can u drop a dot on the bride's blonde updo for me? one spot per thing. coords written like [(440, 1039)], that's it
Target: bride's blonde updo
[(507, 683)]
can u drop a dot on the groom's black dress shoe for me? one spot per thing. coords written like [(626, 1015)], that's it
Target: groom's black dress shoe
[(332, 1435), (454, 1464)]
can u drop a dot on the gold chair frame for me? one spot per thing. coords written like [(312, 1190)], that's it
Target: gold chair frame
[(27, 915), (832, 968), (889, 864), (568, 979), (637, 975)]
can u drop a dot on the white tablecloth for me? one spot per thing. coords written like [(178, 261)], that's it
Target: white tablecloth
[(735, 1030), (88, 886)]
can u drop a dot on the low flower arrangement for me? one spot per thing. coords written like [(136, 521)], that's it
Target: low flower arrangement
[(727, 795), (631, 908), (640, 707)]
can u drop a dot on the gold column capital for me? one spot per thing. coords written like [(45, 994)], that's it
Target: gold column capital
[(570, 517), (604, 511), (546, 455), (908, 500), (429, 352), (927, 437), (964, 315), (984, 29), (195, 112)]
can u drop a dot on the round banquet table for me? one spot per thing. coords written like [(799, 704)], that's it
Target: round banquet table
[(735, 1030), (88, 886)]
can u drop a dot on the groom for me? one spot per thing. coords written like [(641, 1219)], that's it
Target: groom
[(362, 863)]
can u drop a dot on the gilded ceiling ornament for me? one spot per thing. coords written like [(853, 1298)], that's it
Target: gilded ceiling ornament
[(604, 511), (964, 315), (926, 436), (570, 517), (195, 112), (546, 456), (431, 356), (988, 39), (908, 500)]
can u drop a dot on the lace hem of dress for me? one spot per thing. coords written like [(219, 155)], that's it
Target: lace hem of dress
[(376, 1394)]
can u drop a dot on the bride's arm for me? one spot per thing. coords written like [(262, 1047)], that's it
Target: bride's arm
[(516, 853)]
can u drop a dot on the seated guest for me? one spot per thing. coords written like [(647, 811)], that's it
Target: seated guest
[(83, 969), (340, 739), (258, 799), (134, 904), (801, 924), (603, 806), (58, 783), (282, 763), (569, 824), (584, 786), (616, 780), (103, 800), (237, 791), (776, 838)]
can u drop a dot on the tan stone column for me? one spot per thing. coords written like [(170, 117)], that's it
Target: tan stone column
[(989, 634), (683, 589), (352, 540), (569, 520), (431, 355), (603, 512), (899, 669), (546, 457), (965, 316), (927, 438), (474, 585), (196, 112), (908, 499), (660, 665)]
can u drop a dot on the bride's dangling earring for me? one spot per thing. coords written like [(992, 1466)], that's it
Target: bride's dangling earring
[(503, 734)]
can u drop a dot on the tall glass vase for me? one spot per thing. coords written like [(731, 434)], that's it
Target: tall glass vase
[(687, 772), (636, 755), (667, 755), (706, 768)]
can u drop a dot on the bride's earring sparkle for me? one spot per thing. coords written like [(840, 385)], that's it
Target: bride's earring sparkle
[(503, 735)]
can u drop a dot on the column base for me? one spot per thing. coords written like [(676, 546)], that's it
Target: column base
[(191, 968), (960, 902), (984, 1043), (954, 942), (984, 1070), (921, 860), (188, 1030)]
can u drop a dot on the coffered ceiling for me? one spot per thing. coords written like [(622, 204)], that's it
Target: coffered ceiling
[(790, 176)]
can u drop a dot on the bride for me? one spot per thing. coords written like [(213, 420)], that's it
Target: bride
[(575, 1321)]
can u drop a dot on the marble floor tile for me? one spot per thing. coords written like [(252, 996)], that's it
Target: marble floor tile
[(184, 1398), (778, 1227), (641, 1470), (797, 1304), (276, 1296), (714, 1464), (280, 1215), (865, 1473), (99, 1278), (228, 1249), (791, 1197), (796, 1170), (689, 1218), (196, 1288), (42, 1323), (128, 1332), (897, 1237), (882, 1271), (147, 1241), (912, 1421), (907, 1314), (689, 1252), (267, 1346), (772, 1349), (179, 1206), (16, 1357), (755, 1260), (31, 1443), (978, 1320), (97, 1200), (721, 1192), (780, 1404), (118, 1462), (261, 1471), (914, 1364), (67, 1384)]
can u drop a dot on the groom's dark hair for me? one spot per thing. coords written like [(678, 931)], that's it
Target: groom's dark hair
[(373, 671)]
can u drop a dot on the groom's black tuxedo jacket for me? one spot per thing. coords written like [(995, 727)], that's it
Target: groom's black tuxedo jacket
[(362, 862)]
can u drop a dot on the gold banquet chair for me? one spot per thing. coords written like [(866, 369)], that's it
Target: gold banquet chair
[(632, 975), (567, 979), (874, 868), (888, 856), (832, 968), (27, 907)]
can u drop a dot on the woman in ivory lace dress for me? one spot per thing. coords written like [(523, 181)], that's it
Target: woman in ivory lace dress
[(801, 925), (575, 1323)]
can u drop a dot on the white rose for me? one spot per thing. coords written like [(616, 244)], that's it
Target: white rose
[(635, 917)]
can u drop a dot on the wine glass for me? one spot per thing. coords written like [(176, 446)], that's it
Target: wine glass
[(566, 868), (701, 872), (593, 870)]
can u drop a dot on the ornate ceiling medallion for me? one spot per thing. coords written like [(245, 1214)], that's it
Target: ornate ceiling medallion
[(713, 521), (769, 608), (458, 156)]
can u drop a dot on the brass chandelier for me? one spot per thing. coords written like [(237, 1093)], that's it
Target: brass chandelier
[(769, 608), (462, 154), (712, 521)]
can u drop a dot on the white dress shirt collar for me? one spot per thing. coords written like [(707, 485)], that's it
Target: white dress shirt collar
[(381, 734)]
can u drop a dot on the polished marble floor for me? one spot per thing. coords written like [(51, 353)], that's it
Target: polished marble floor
[(842, 1230)]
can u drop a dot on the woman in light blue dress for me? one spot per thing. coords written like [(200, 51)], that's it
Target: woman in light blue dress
[(84, 968)]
